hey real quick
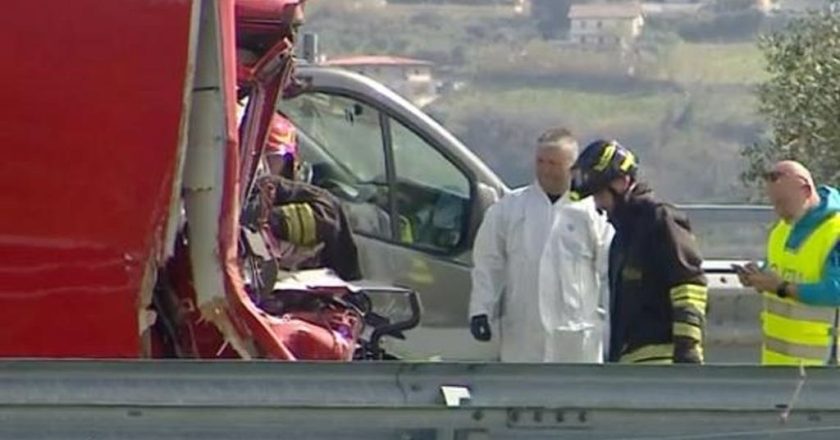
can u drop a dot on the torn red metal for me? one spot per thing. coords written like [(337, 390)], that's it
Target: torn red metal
[(265, 79)]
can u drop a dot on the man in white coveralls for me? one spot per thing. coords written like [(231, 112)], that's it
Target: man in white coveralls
[(540, 266)]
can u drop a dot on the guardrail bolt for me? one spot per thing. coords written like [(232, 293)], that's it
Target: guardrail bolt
[(582, 417), (477, 415), (514, 416), (560, 417), (538, 416)]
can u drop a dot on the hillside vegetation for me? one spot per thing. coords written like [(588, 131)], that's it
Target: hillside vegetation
[(687, 107)]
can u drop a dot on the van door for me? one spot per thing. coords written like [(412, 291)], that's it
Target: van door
[(411, 201)]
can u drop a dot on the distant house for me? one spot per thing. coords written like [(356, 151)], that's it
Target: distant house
[(411, 78), (672, 10), (605, 24)]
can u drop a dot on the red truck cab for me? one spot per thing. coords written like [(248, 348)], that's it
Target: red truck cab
[(125, 169)]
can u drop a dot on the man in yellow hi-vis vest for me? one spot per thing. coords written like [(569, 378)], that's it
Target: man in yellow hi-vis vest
[(800, 280)]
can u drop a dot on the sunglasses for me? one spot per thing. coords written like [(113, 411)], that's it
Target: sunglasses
[(773, 175)]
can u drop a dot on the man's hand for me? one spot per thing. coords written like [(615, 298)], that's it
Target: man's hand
[(761, 281), (480, 328), (742, 273)]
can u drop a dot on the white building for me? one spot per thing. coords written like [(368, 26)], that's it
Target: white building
[(605, 24), (411, 78), (671, 10)]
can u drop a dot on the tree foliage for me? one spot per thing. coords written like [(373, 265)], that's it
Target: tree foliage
[(801, 99), (551, 16)]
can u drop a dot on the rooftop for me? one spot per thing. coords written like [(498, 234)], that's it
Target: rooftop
[(375, 60), (606, 10)]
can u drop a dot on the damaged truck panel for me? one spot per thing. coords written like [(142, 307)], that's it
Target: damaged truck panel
[(93, 122)]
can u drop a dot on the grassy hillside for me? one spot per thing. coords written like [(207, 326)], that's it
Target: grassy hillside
[(687, 109), (735, 63), (688, 142)]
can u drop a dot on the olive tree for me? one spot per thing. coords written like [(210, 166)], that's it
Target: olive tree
[(800, 100)]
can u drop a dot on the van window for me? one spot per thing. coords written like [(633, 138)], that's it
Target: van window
[(432, 193), (341, 139)]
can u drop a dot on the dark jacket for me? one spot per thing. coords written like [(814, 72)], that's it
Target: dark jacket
[(657, 287), (312, 228)]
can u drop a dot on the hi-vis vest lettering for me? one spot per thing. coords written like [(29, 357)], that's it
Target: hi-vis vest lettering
[(795, 333)]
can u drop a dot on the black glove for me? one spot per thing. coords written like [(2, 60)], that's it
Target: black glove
[(480, 328)]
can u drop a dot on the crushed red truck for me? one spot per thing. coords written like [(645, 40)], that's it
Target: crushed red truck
[(121, 237)]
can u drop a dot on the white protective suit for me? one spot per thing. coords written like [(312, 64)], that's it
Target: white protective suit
[(547, 266)]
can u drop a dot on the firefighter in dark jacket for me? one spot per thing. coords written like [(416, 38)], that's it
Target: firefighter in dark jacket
[(657, 287), (309, 226)]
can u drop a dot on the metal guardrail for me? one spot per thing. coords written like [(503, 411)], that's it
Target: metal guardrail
[(219, 400)]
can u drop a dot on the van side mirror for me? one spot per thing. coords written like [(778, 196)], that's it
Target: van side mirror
[(485, 196)]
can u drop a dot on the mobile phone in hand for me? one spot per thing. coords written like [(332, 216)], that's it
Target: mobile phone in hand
[(740, 270)]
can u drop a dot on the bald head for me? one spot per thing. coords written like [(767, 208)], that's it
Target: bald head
[(795, 169), (791, 189)]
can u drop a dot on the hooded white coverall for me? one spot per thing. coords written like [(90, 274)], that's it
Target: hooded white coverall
[(542, 268)]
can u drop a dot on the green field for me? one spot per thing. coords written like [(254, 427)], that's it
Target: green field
[(582, 109), (689, 143), (734, 63)]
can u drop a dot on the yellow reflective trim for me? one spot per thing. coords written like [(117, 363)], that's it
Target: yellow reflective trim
[(798, 311), (700, 303), (770, 357), (649, 353), (406, 231), (688, 331), (628, 162), (819, 353), (689, 289), (606, 156), (309, 228), (290, 229), (293, 226), (698, 297), (690, 295), (797, 332)]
